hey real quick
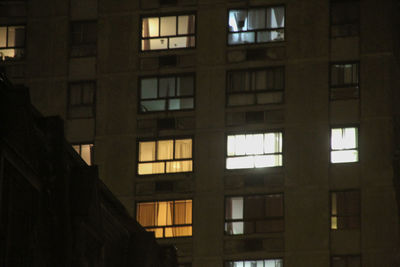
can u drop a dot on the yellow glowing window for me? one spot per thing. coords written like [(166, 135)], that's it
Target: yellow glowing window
[(12, 42), (85, 151), (255, 263), (168, 32), (254, 150), (344, 145), (165, 156), (345, 210), (166, 218)]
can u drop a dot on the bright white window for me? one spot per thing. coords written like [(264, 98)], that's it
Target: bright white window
[(254, 150), (344, 145), (255, 263)]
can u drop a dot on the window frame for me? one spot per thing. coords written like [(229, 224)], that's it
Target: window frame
[(171, 14), (72, 45), (254, 221), (341, 126), (227, 262), (331, 215), (165, 226), (344, 85), (92, 105), (14, 47), (247, 132), (254, 92), (331, 24), (164, 138), (256, 30), (192, 74)]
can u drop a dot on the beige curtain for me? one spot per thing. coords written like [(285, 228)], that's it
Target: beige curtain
[(146, 214), (145, 34), (183, 215)]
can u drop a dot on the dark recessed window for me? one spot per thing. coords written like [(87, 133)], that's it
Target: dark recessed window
[(167, 93), (346, 261), (254, 214), (345, 17), (255, 87), (12, 42), (344, 81), (168, 32), (83, 38), (345, 210), (256, 25), (81, 99)]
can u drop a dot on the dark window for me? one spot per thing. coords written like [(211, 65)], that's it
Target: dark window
[(254, 214), (255, 87), (168, 32), (12, 42), (346, 261), (344, 81), (256, 25), (83, 38), (345, 210), (165, 156), (13, 9), (344, 18), (255, 263), (167, 93), (81, 99), (166, 218)]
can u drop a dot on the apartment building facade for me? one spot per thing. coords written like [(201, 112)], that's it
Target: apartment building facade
[(246, 133)]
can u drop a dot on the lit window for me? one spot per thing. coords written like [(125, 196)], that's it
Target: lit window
[(83, 38), (254, 150), (166, 218), (263, 86), (168, 32), (12, 42), (85, 151), (254, 214), (167, 93), (81, 99), (255, 263), (346, 261), (256, 25), (344, 145), (345, 17), (344, 81), (165, 156), (345, 210)]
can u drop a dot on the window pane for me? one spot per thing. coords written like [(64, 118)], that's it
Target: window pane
[(183, 149), (151, 168), (165, 149), (179, 166), (274, 206), (157, 44), (267, 161), (241, 99), (148, 88), (254, 144), (16, 36), (153, 105), (167, 87), (238, 81), (261, 80), (269, 98), (344, 156), (254, 207), (241, 38), (168, 26), (276, 17), (185, 86), (256, 19), (237, 20), (147, 151), (272, 142), (88, 93), (75, 96), (150, 27), (180, 42), (86, 153), (3, 36), (164, 213), (146, 214), (178, 104), (186, 24), (240, 145), (240, 162), (234, 228), (183, 212), (270, 36), (234, 208)]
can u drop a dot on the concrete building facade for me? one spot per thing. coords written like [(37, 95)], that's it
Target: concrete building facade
[(263, 130)]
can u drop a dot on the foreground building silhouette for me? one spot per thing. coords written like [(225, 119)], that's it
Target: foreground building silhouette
[(55, 211), (245, 133)]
